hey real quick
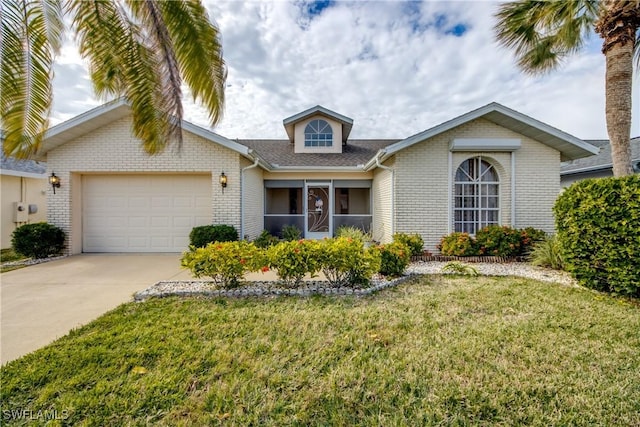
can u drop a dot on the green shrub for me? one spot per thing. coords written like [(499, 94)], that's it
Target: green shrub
[(203, 235), (345, 261), (291, 232), (38, 240), (354, 233), (546, 253), (598, 223), (496, 240), (265, 240), (294, 259), (458, 244), (225, 262), (413, 241), (394, 258)]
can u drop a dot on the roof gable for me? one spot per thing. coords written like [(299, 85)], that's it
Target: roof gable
[(110, 112), (569, 146), (290, 122)]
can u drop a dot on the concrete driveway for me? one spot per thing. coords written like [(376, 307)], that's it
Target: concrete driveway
[(43, 302)]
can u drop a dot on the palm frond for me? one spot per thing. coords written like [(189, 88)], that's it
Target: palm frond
[(543, 33), (199, 53), (30, 35), (160, 42), (121, 64)]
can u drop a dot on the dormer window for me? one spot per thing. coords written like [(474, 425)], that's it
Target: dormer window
[(318, 133)]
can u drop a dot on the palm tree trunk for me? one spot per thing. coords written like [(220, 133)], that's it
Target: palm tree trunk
[(618, 81), (617, 25)]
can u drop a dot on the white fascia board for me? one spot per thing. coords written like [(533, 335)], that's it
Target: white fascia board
[(85, 117), (9, 172), (317, 109), (485, 144), (218, 139)]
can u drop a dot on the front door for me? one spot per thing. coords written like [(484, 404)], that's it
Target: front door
[(318, 215)]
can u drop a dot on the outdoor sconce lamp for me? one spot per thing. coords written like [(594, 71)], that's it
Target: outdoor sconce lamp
[(223, 181), (54, 181)]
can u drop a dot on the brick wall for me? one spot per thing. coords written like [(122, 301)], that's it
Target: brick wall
[(113, 149)]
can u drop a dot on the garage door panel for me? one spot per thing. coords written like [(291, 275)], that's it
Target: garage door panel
[(183, 202), (143, 213)]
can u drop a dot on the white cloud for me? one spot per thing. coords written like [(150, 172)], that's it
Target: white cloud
[(392, 66)]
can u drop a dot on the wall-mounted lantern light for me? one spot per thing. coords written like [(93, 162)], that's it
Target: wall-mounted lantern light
[(223, 181), (54, 181)]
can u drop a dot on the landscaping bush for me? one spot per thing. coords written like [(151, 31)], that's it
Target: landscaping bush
[(38, 240), (203, 235), (265, 240), (458, 244), (394, 258), (225, 262), (546, 253), (598, 223), (345, 262), (291, 232), (294, 259), (413, 241), (496, 240), (354, 233), (493, 240)]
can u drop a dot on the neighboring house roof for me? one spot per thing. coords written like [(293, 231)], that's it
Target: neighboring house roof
[(280, 153), (569, 146), (25, 168), (600, 161), (110, 112), (346, 122)]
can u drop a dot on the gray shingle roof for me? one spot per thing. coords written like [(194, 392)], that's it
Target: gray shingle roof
[(599, 161), (26, 166), (280, 152)]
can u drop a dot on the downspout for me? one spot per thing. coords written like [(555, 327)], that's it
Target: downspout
[(242, 193), (513, 190), (393, 190)]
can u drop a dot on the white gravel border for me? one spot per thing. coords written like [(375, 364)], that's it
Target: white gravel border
[(264, 289)]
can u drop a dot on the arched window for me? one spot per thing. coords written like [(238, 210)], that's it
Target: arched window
[(318, 133), (476, 196)]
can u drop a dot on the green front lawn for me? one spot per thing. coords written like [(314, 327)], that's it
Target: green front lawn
[(439, 351)]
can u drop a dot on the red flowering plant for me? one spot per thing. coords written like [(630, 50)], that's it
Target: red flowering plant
[(458, 244), (225, 262)]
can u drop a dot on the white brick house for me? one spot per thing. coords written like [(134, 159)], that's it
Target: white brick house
[(492, 165)]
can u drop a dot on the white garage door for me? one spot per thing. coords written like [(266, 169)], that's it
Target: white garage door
[(143, 213)]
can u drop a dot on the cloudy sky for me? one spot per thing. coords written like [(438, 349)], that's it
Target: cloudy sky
[(395, 67)]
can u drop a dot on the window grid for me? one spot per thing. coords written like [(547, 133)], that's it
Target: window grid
[(318, 133), (476, 196)]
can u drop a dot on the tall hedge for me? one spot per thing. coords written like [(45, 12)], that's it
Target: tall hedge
[(598, 223)]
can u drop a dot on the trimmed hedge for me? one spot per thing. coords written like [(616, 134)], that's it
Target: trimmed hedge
[(598, 223), (203, 235), (39, 240)]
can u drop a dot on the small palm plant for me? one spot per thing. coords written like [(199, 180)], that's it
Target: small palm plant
[(456, 267)]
